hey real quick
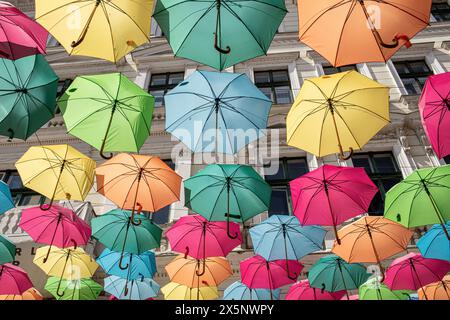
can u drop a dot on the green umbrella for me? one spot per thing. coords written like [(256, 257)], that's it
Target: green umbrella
[(374, 290), (83, 289), (227, 192), (421, 199), (27, 96), (108, 111), (219, 33), (7, 250)]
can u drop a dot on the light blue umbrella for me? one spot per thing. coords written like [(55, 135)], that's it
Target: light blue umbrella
[(239, 291), (434, 244), (139, 289), (213, 111), (6, 201)]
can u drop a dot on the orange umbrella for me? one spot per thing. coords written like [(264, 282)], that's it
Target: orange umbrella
[(30, 294), (436, 291), (350, 32), (371, 240), (132, 181)]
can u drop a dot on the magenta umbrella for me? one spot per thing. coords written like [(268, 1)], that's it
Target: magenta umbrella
[(13, 280), (57, 226), (303, 291), (20, 36), (434, 106), (330, 195), (413, 271)]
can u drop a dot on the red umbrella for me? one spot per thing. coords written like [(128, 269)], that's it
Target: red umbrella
[(330, 195), (303, 291), (13, 280)]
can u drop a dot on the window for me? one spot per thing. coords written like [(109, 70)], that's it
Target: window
[(22, 196), (162, 216), (155, 30), (329, 70), (63, 85), (384, 172), (441, 11), (447, 159), (161, 83), (413, 74), (275, 85)]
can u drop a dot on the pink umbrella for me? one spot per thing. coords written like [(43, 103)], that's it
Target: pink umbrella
[(413, 271), (13, 280), (303, 291), (434, 106), (20, 36), (58, 226), (330, 195)]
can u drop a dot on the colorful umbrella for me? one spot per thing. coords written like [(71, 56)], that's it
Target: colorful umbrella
[(205, 31), (30, 294), (216, 105), (80, 289), (373, 289), (303, 291), (13, 280), (347, 193), (109, 112), (434, 244), (6, 200), (103, 29), (28, 93), (337, 113), (421, 199), (239, 291), (383, 27), (175, 291), (139, 289), (7, 250), (436, 291), (58, 172)]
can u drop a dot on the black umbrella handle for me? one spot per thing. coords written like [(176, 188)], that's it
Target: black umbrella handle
[(11, 134), (203, 262), (216, 46), (216, 40), (60, 294)]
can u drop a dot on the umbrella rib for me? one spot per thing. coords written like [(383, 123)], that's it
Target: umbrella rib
[(347, 18), (405, 11), (360, 108), (185, 117), (349, 130)]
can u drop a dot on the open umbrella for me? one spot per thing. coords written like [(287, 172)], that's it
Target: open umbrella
[(337, 113), (58, 172), (175, 291), (239, 291), (303, 291), (103, 29), (7, 250), (373, 289), (225, 106), (30, 294), (138, 289), (434, 244), (80, 289), (28, 94), (109, 112), (439, 290), (383, 27), (6, 200), (421, 199), (205, 31), (346, 192), (13, 280)]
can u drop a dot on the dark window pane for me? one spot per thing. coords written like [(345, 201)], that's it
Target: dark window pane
[(267, 92), (14, 181), (279, 204), (329, 70), (280, 76), (384, 163), (175, 78), (158, 80), (279, 175), (362, 161), (413, 75), (283, 95), (159, 97), (447, 159), (377, 205), (296, 168), (401, 68), (262, 77), (275, 85), (387, 184), (29, 200), (161, 216)]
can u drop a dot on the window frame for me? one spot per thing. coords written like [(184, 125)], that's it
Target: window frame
[(20, 193), (166, 87), (273, 85), (338, 69), (438, 13), (413, 75)]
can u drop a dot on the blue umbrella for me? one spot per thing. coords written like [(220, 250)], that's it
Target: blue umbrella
[(239, 291), (434, 244), (139, 289), (212, 111), (6, 201)]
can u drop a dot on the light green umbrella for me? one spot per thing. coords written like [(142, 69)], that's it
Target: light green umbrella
[(82, 289), (421, 199), (7, 250), (108, 111), (374, 290)]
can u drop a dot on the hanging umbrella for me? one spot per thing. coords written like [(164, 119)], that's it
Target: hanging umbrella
[(30, 294), (138, 289), (82, 289), (333, 274), (136, 181), (347, 193), (337, 113), (303, 291), (7, 250), (175, 291), (20, 36), (103, 29), (6, 200), (434, 244), (421, 199), (58, 172), (413, 271), (225, 192), (115, 298), (58, 227), (239, 291), (109, 112), (205, 31), (373, 289), (436, 291), (371, 240), (13, 280), (28, 94), (383, 27), (225, 106)]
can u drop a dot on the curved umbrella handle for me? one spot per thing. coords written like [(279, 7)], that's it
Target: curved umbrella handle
[(47, 255), (59, 287), (120, 263), (295, 276), (75, 244), (105, 156), (187, 252), (216, 46), (11, 135), (203, 269), (46, 207), (229, 232), (322, 290), (342, 156), (139, 221)]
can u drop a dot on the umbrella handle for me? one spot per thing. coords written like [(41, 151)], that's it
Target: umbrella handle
[(120, 263), (216, 46), (75, 44), (47, 255), (342, 156), (105, 156), (288, 273), (46, 207), (186, 253), (11, 135), (59, 287), (236, 235), (203, 269), (139, 221), (75, 244)]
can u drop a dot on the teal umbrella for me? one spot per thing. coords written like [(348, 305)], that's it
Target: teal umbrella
[(6, 200), (27, 96), (219, 33), (7, 250)]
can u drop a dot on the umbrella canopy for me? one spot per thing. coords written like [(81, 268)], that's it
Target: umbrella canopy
[(383, 28), (434, 244), (421, 199), (58, 172), (347, 193), (337, 113), (139, 289), (206, 30), (82, 289), (7, 250), (212, 104), (20, 36), (13, 280), (30, 294), (434, 106), (436, 291), (303, 291), (109, 112), (374, 290), (6, 200), (175, 291), (239, 291), (104, 29), (28, 93)]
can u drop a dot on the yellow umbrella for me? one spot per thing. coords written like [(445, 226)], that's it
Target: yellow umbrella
[(337, 113), (175, 291), (58, 172), (97, 28)]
